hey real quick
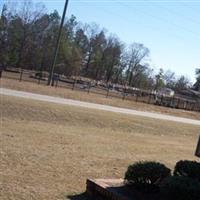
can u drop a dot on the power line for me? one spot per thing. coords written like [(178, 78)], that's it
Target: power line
[(128, 21), (179, 14), (153, 16), (163, 20), (191, 8)]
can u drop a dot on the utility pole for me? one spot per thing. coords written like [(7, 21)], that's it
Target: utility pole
[(50, 82)]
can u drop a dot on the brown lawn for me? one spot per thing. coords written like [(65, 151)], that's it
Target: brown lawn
[(48, 150)]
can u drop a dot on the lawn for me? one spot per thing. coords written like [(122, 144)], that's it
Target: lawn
[(94, 98), (48, 150)]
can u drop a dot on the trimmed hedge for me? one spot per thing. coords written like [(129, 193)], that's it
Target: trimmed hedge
[(146, 175), (188, 169), (180, 188)]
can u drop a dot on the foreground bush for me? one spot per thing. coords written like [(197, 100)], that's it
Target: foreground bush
[(187, 168), (146, 175), (180, 188)]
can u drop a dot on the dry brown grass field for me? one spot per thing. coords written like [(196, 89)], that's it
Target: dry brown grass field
[(94, 98), (48, 150)]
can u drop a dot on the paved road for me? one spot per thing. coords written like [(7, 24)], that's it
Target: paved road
[(59, 100)]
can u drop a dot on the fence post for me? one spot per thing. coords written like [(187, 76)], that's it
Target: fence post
[(107, 91), (172, 102), (74, 83), (188, 103), (40, 77), (193, 106), (196, 106), (1, 71), (149, 101), (57, 82), (161, 100), (21, 73), (124, 93), (137, 93), (178, 102), (89, 85)]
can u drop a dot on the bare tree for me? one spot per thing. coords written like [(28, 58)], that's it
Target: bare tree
[(137, 53), (182, 83)]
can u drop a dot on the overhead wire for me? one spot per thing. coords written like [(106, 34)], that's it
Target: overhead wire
[(178, 14), (128, 21), (187, 4), (162, 19)]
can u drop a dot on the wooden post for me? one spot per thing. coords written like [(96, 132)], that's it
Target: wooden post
[(57, 82), (162, 99), (107, 91), (1, 71), (186, 105), (89, 86), (197, 153), (51, 71), (137, 96), (21, 73), (124, 93), (178, 102), (149, 101), (73, 86), (40, 76), (39, 79), (193, 106), (173, 102), (189, 105)]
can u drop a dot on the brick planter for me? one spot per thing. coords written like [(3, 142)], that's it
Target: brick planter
[(105, 189)]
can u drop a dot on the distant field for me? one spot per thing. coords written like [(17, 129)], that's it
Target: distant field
[(48, 150), (94, 98)]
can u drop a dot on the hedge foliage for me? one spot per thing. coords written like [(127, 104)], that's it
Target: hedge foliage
[(146, 174), (188, 169), (180, 188)]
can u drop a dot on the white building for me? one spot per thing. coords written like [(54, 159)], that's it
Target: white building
[(165, 92)]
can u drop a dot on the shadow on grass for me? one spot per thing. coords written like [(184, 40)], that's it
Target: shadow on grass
[(82, 196)]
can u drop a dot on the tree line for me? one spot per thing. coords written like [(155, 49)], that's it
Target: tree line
[(28, 35)]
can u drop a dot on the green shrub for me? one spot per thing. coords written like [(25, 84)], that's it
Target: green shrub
[(146, 175), (187, 168), (180, 188)]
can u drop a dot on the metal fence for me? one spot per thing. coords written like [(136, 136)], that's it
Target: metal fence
[(107, 90)]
